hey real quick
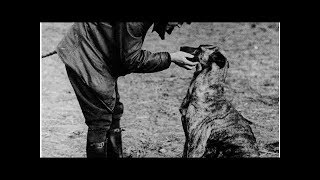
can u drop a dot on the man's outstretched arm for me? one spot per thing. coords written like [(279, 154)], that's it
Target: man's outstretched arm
[(142, 61)]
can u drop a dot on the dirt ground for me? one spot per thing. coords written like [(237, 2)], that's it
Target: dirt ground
[(151, 116)]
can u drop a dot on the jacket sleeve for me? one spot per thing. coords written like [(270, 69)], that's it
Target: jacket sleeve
[(134, 59)]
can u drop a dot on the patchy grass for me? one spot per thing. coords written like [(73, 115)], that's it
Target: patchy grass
[(151, 118)]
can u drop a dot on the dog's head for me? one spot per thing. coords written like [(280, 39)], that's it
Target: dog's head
[(206, 55)]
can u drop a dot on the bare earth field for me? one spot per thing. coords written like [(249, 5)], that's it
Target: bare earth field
[(151, 117)]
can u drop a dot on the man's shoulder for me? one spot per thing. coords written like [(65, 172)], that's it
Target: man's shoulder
[(138, 29)]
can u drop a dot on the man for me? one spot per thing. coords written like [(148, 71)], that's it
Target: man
[(95, 55)]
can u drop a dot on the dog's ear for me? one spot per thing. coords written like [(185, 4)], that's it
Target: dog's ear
[(218, 58), (208, 46)]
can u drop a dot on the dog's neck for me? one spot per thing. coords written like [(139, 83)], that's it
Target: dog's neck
[(207, 88), (209, 79)]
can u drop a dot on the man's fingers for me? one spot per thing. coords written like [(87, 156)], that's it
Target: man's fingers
[(188, 67), (188, 55), (190, 63)]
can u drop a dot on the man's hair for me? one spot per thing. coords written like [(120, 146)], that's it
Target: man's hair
[(160, 27)]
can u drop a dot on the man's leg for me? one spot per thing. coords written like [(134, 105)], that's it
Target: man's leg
[(97, 117), (114, 134)]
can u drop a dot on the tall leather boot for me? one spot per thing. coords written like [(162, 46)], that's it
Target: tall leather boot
[(114, 139), (97, 143)]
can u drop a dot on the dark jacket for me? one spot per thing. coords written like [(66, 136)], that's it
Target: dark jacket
[(101, 52)]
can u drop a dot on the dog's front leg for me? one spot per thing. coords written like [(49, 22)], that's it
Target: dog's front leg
[(184, 126), (183, 111)]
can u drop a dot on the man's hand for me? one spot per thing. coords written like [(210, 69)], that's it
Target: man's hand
[(179, 58)]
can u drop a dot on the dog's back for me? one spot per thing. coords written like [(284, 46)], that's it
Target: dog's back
[(212, 126)]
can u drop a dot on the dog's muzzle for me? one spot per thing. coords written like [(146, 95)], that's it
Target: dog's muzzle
[(193, 51)]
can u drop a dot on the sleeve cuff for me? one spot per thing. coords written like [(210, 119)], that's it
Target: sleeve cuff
[(167, 60)]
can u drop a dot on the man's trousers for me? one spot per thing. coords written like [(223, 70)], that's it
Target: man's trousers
[(99, 119)]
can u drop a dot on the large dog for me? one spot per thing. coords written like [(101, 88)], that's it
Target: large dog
[(213, 127)]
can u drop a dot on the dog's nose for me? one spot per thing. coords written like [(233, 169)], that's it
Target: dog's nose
[(194, 59)]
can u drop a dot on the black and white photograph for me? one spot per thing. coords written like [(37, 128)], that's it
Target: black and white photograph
[(160, 89)]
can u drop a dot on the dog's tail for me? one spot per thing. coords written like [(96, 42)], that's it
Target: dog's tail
[(49, 54)]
